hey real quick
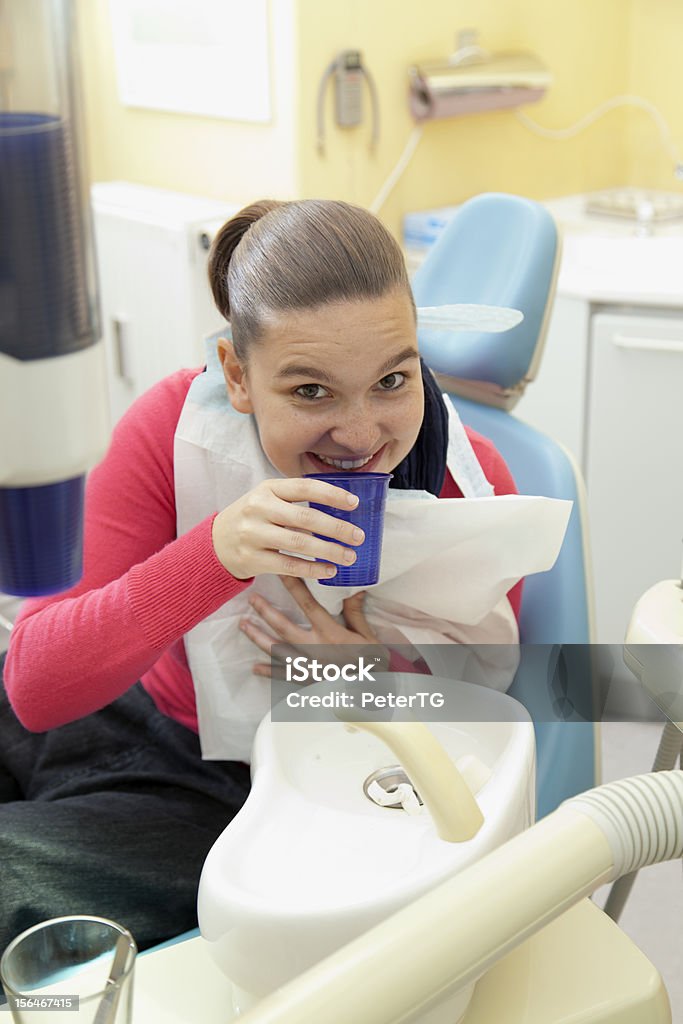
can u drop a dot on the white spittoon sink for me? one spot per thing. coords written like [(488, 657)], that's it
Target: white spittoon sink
[(311, 861)]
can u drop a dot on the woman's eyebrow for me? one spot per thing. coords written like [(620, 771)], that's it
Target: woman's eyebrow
[(410, 352), (299, 370)]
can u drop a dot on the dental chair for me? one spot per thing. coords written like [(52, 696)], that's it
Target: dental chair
[(504, 250)]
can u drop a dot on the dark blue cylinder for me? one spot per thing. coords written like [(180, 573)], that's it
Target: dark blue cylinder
[(46, 282), (41, 537)]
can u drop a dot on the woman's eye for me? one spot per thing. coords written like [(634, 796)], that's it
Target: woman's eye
[(392, 381), (310, 391)]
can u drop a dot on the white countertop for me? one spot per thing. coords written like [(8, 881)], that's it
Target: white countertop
[(605, 259), (609, 259)]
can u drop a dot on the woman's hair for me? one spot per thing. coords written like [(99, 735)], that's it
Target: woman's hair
[(274, 257)]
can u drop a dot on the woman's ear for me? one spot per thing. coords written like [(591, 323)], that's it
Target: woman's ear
[(235, 376)]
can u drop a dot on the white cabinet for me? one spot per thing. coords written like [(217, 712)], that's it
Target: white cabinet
[(609, 389), (633, 459), (152, 248), (555, 402)]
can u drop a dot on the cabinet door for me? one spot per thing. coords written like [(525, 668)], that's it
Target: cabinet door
[(155, 301), (113, 269), (554, 402), (634, 460)]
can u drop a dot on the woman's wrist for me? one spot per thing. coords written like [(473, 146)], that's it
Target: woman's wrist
[(221, 545)]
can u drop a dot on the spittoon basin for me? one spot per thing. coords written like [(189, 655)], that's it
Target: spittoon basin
[(311, 862)]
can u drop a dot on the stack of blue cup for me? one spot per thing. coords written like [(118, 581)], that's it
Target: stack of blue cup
[(45, 307), (46, 311)]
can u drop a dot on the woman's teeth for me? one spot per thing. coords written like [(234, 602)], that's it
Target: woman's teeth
[(344, 463)]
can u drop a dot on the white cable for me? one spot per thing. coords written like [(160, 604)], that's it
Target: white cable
[(320, 105), (547, 133), (403, 161), (602, 109), (374, 103)]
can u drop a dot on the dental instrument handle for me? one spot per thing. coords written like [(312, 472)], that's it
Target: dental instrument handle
[(448, 798), (450, 936)]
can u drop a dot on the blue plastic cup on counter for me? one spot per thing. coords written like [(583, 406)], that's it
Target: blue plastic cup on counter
[(371, 489)]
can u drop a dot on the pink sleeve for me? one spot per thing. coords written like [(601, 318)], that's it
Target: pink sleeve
[(142, 588)]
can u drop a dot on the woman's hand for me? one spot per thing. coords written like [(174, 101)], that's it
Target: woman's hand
[(250, 535), (325, 630)]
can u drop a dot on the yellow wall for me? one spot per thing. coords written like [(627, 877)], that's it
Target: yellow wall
[(656, 73), (594, 50), (202, 155), (583, 43)]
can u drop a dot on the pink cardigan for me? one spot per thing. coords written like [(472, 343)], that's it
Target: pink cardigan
[(143, 587)]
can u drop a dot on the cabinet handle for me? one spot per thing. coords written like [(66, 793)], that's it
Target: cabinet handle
[(121, 367), (648, 344)]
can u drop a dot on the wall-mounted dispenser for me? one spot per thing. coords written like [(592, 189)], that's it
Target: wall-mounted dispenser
[(349, 73), (472, 80)]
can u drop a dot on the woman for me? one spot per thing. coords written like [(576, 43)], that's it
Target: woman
[(110, 809)]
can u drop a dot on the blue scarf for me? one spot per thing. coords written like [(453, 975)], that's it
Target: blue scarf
[(424, 467)]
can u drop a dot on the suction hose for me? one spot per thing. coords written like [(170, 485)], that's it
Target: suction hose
[(670, 746), (452, 935)]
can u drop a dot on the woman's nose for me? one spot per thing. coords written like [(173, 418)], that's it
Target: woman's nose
[(356, 434)]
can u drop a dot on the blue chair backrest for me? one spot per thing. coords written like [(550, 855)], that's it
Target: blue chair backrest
[(498, 250), (504, 250)]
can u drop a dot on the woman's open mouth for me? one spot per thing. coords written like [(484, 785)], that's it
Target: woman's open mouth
[(327, 463)]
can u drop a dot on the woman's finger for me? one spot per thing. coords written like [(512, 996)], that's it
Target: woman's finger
[(318, 616), (281, 624), (274, 671), (264, 641), (300, 489), (354, 616), (302, 544)]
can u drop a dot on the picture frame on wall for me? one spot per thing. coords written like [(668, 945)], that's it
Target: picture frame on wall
[(209, 57)]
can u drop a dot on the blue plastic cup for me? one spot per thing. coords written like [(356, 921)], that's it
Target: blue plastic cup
[(371, 489)]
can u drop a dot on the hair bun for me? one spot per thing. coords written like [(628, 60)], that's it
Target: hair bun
[(224, 245)]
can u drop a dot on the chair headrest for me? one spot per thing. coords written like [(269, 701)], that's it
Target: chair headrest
[(498, 250)]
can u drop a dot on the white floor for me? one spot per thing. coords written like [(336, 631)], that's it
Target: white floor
[(654, 911)]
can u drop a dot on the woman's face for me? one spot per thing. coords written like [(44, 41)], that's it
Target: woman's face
[(334, 388)]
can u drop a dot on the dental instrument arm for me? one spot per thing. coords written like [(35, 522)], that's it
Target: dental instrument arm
[(653, 650), (453, 934)]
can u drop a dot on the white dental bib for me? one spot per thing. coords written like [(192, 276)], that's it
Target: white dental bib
[(446, 565)]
